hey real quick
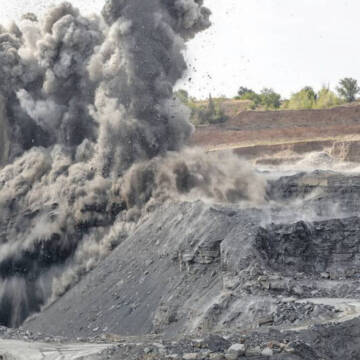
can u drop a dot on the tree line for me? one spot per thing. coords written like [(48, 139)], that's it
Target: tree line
[(212, 110), (306, 98)]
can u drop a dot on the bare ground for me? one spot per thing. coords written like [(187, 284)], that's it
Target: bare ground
[(255, 134)]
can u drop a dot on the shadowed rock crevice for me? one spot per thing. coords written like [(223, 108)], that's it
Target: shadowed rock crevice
[(312, 248)]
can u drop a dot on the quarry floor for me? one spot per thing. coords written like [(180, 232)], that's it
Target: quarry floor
[(15, 349), (151, 347)]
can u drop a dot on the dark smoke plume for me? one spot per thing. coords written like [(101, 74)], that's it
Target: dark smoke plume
[(91, 137)]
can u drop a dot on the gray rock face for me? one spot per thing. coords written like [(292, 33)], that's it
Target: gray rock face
[(163, 284), (325, 194), (282, 289), (192, 268), (314, 248)]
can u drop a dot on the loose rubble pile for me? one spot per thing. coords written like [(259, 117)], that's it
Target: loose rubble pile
[(297, 313)]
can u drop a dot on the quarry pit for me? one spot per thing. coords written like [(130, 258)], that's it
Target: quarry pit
[(124, 234)]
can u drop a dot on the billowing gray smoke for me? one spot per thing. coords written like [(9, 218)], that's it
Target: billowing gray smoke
[(92, 137)]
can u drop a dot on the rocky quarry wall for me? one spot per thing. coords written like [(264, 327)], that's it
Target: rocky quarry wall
[(194, 268)]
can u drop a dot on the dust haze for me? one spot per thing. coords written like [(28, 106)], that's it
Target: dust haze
[(92, 138)]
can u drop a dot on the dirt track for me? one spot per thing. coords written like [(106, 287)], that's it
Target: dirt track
[(21, 350)]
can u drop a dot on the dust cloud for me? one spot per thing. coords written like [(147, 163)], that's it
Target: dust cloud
[(92, 138)]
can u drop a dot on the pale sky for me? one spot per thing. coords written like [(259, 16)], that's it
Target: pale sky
[(283, 44)]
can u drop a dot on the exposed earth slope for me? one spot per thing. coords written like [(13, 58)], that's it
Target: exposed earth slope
[(266, 278), (269, 135)]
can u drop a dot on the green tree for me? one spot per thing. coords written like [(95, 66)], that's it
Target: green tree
[(211, 106), (304, 99), (310, 92), (270, 99), (348, 89), (200, 115), (212, 113), (252, 96), (245, 93), (244, 90), (327, 99)]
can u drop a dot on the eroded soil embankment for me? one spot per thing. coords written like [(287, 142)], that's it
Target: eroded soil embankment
[(264, 134)]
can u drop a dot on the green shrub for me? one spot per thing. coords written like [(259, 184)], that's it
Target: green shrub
[(304, 99), (244, 90), (252, 96), (327, 99), (211, 113), (270, 99)]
